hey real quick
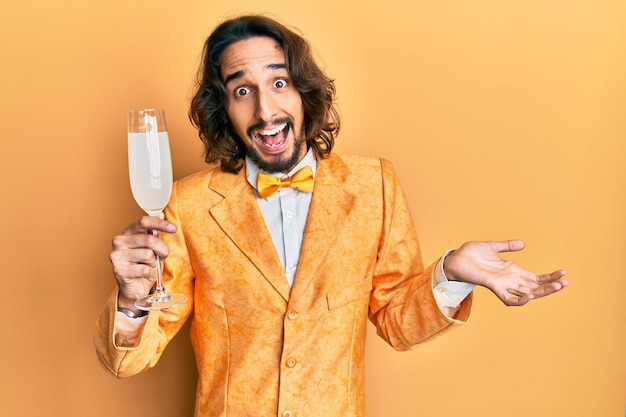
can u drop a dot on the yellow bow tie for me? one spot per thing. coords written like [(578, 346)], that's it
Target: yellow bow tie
[(302, 180)]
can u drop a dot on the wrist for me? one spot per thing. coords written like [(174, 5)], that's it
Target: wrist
[(445, 265), (132, 314), (127, 306)]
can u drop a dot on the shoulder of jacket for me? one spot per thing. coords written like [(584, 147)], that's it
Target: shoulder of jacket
[(360, 163), (200, 177)]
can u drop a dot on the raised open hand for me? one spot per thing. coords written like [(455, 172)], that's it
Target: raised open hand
[(479, 263)]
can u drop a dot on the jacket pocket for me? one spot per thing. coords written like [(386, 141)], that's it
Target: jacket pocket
[(349, 294)]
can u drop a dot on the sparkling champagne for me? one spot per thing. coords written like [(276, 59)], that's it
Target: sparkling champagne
[(150, 169)]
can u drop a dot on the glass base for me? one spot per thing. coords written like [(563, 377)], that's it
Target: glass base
[(160, 300)]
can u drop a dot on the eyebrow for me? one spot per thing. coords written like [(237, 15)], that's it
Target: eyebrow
[(240, 74)]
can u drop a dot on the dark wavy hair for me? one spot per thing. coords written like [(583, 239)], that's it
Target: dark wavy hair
[(208, 112)]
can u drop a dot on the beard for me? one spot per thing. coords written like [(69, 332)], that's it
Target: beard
[(279, 163)]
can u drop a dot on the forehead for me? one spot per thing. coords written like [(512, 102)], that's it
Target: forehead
[(250, 55)]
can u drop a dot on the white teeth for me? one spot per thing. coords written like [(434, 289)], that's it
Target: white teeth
[(272, 132), (271, 145)]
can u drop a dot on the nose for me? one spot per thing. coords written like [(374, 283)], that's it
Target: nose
[(266, 106)]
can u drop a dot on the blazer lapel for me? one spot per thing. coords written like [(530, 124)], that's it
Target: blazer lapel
[(239, 216), (330, 205)]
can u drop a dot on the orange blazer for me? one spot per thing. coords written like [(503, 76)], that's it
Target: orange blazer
[(263, 349)]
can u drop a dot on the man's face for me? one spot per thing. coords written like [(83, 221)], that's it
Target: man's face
[(264, 108)]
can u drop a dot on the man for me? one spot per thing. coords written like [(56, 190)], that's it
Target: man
[(282, 280)]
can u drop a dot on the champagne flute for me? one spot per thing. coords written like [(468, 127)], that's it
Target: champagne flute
[(150, 171)]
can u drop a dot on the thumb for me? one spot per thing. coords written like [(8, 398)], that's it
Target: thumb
[(508, 245)]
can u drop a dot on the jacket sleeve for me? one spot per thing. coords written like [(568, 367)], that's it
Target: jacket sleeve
[(161, 325), (402, 305)]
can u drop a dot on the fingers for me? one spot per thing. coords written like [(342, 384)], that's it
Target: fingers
[(135, 250), (128, 274), (523, 290), (523, 293), (508, 245), (554, 276), (550, 288), (134, 271), (135, 256), (522, 287), (514, 298), (126, 244), (518, 301), (146, 223), (550, 283), (137, 236)]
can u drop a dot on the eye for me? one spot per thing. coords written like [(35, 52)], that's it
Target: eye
[(280, 83), (241, 91)]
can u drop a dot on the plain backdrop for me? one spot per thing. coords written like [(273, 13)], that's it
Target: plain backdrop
[(504, 119)]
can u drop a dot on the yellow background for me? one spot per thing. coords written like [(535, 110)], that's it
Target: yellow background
[(503, 119)]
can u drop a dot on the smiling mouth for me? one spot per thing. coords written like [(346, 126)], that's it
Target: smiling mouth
[(271, 138)]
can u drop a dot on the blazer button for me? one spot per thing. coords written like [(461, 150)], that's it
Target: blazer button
[(288, 413), (292, 315), (291, 362)]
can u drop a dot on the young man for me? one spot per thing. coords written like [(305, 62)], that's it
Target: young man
[(282, 280)]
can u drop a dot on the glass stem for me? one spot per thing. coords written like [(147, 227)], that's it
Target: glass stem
[(159, 276)]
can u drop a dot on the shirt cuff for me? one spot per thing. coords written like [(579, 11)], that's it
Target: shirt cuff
[(449, 294), (126, 330)]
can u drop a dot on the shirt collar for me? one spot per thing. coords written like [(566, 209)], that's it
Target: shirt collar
[(252, 171)]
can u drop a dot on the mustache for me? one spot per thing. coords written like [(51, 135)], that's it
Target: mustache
[(266, 125)]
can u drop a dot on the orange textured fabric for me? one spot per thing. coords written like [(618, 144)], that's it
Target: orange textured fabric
[(262, 348)]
